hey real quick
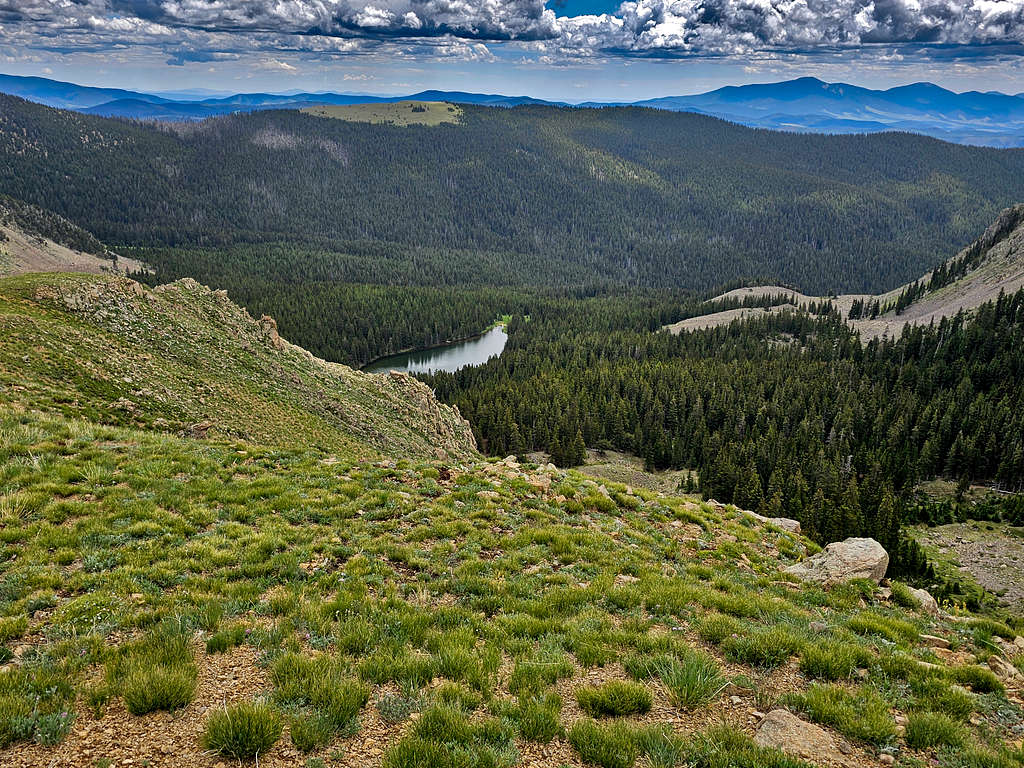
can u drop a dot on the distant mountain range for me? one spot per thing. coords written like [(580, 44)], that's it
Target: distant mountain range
[(804, 105)]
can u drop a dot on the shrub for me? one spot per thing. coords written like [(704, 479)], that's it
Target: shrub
[(862, 716), (933, 729), (615, 698), (610, 746), (148, 689), (242, 731), (833, 660)]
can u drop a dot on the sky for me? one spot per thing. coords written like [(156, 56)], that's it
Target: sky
[(574, 50)]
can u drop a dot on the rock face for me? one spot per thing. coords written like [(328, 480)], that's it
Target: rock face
[(842, 561), (783, 730)]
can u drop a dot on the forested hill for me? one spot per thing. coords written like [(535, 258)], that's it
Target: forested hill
[(530, 195)]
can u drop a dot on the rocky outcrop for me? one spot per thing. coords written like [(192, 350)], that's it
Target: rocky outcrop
[(785, 523), (783, 730), (1007, 672), (843, 561)]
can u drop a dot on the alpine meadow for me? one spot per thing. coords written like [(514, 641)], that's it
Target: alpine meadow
[(556, 384)]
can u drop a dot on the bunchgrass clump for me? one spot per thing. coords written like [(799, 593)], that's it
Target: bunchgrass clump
[(662, 747), (933, 729), (716, 627), (445, 736), (614, 698), (225, 640), (864, 715), (936, 694), (148, 689), (322, 685), (874, 623), (243, 731), (692, 680), (726, 747), (309, 732), (612, 745), (978, 679), (833, 660), (764, 648), (156, 672), (536, 717)]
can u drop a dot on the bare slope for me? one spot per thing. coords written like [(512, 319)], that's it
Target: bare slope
[(1001, 269), (33, 239)]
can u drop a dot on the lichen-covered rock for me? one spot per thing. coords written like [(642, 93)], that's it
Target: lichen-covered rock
[(783, 730), (843, 561), (926, 601), (785, 523)]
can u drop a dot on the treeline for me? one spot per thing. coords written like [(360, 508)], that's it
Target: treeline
[(33, 220), (811, 425), (550, 196), (993, 507), (356, 324)]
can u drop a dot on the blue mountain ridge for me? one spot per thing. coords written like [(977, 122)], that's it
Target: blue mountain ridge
[(805, 104)]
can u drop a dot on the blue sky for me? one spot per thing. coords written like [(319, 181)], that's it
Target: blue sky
[(570, 49)]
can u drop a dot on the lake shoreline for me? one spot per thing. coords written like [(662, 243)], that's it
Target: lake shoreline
[(441, 345)]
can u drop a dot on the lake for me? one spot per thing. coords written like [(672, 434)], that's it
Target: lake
[(450, 357)]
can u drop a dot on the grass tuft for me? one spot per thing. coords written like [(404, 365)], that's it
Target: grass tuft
[(615, 698), (242, 731), (933, 729)]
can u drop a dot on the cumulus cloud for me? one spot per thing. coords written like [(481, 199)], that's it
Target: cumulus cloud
[(638, 28)]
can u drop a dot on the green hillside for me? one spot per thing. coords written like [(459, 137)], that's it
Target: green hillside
[(530, 195), (185, 359), (305, 581)]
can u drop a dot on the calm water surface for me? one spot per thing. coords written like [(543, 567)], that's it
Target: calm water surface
[(449, 358)]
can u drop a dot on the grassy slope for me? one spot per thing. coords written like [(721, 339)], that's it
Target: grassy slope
[(183, 357), (394, 611)]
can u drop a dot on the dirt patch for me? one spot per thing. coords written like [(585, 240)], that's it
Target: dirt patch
[(989, 552), (21, 253)]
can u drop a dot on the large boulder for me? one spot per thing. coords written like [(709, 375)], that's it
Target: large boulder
[(842, 561), (785, 731)]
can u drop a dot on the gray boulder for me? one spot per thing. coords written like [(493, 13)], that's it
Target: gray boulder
[(842, 561), (785, 731)]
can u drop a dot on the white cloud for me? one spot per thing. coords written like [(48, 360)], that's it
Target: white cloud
[(444, 28)]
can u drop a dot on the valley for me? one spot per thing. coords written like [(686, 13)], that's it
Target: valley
[(662, 513)]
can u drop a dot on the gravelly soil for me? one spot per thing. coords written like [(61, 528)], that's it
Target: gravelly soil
[(987, 551)]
